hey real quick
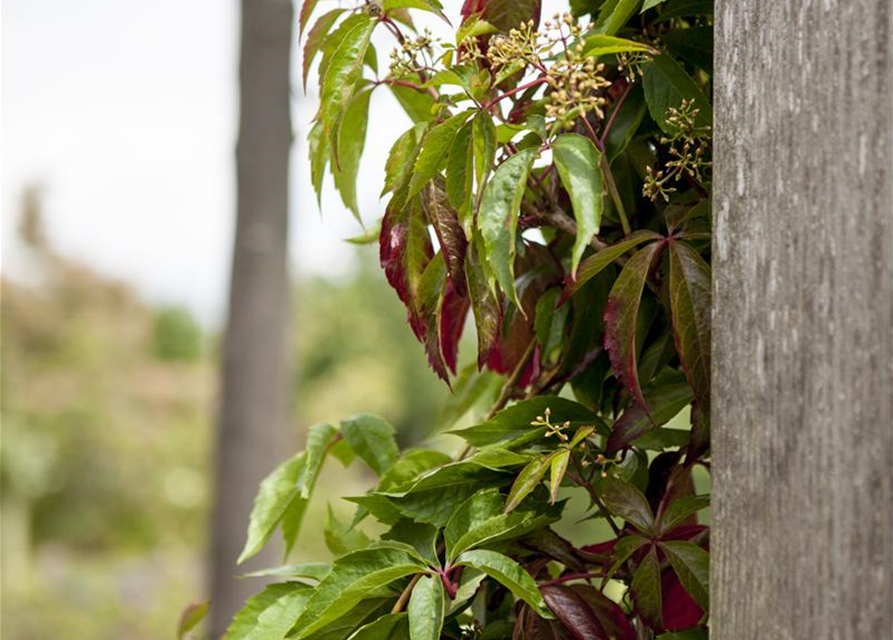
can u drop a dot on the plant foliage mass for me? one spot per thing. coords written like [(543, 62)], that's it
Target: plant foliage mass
[(555, 187)]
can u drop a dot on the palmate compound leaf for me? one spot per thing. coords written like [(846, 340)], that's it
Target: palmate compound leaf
[(509, 574), (598, 262), (353, 577), (621, 316), (426, 609), (577, 160), (690, 302), (436, 144), (666, 396), (498, 218)]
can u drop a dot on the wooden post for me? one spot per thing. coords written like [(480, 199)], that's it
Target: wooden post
[(802, 544), (253, 432)]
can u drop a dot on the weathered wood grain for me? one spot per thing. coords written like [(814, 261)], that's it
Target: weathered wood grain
[(802, 546)]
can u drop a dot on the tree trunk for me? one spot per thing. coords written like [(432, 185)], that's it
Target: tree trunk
[(802, 543), (253, 424)]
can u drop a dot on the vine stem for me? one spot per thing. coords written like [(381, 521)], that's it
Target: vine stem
[(524, 87), (617, 107), (404, 596)]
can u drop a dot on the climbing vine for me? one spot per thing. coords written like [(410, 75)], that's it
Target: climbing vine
[(555, 188)]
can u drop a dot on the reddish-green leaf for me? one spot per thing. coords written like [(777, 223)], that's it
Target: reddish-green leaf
[(612, 618), (485, 305), (452, 240), (646, 590), (316, 37), (597, 262), (666, 396), (405, 250), (504, 14), (575, 614), (621, 316), (191, 616), (625, 501), (453, 312), (623, 551), (680, 510), (690, 301), (306, 11)]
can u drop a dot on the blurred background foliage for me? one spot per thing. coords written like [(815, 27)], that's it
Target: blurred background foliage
[(107, 414)]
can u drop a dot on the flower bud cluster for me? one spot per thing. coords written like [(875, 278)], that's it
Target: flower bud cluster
[(689, 149), (413, 54), (575, 81)]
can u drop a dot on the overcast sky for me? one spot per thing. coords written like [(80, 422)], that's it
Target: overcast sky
[(125, 111)]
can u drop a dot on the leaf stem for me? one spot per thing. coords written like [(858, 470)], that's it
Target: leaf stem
[(614, 113), (533, 83), (404, 596)]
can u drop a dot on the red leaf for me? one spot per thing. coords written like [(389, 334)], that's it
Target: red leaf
[(621, 314), (680, 611), (453, 311), (449, 232), (612, 618), (574, 611), (487, 308)]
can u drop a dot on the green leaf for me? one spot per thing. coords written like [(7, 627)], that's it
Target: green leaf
[(436, 145), (646, 590), (420, 536), (694, 45), (667, 84), (270, 614), (626, 123), (318, 147), (549, 322), (276, 494), (514, 422), (498, 218), (598, 262), (509, 574), (625, 501), (341, 538), (476, 510), (409, 467), (393, 626), (685, 8), (689, 634), (319, 439), (527, 481), (558, 467), (650, 4), (623, 551), (692, 564), (191, 616), (353, 578), (599, 44), (350, 148), (418, 105), (372, 439), (621, 317), (309, 570), (614, 15), (460, 176), (401, 158), (661, 439), (426, 605), (432, 6), (691, 303), (680, 510), (577, 160), (581, 434), (343, 70), (484, 141), (316, 37)]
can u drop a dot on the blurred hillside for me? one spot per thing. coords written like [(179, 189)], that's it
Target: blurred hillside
[(107, 407)]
